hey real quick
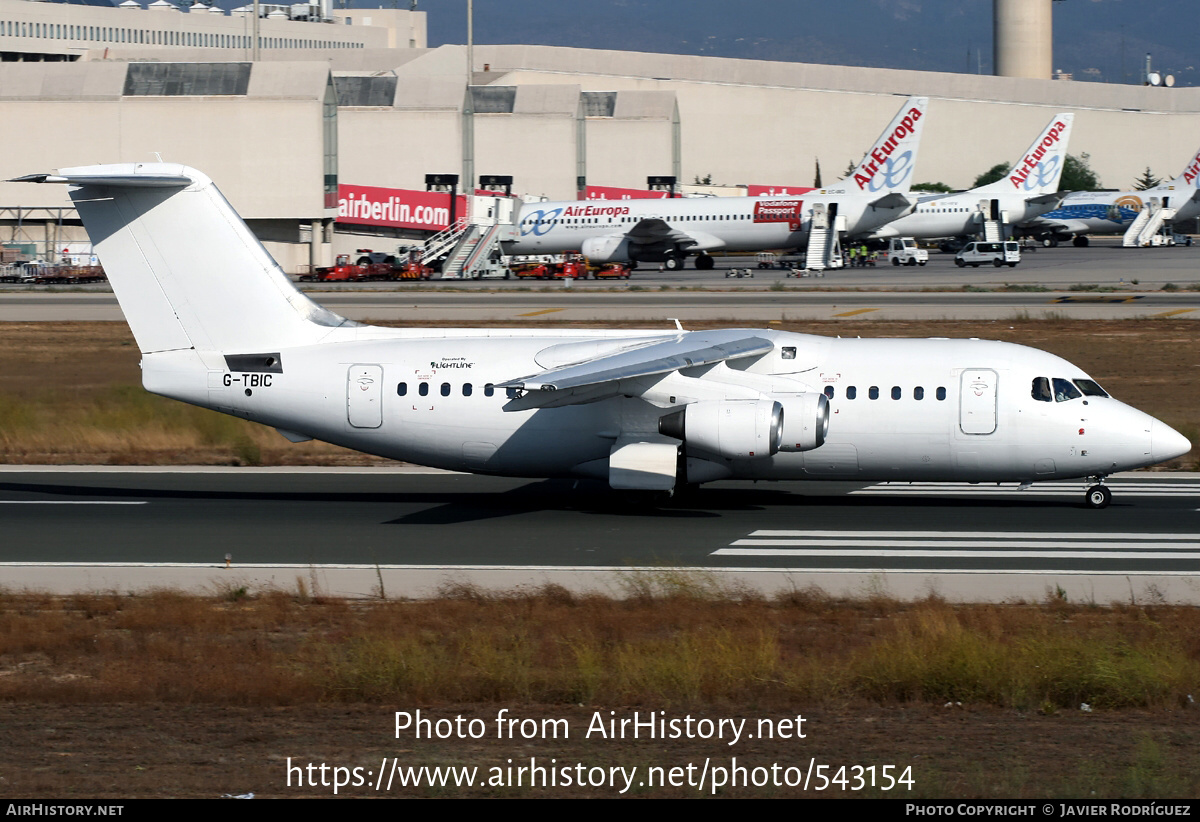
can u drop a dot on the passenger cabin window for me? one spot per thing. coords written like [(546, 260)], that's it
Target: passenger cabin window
[(851, 392), (896, 393), (423, 390), (918, 393), (829, 391), (788, 352), (489, 390), (445, 389), (402, 389), (873, 392), (1065, 390), (941, 393), (467, 389), (1041, 389)]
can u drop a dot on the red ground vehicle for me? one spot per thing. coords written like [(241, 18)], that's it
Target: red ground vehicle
[(615, 271), (570, 268), (374, 265), (340, 271)]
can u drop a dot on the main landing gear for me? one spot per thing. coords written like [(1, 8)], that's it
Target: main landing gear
[(1098, 496)]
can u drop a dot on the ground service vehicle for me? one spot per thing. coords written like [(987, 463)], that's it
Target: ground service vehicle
[(904, 251), (998, 254)]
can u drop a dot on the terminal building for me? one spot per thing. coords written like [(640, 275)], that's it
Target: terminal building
[(326, 106)]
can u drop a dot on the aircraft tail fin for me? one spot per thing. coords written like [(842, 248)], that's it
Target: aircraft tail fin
[(1041, 166), (888, 166), (1190, 178), (185, 268)]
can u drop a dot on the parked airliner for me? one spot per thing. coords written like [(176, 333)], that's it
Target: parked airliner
[(1112, 212), (667, 231), (219, 325), (1027, 190)]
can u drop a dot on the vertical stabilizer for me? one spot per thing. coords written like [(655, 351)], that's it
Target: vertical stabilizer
[(1190, 178), (186, 270), (1040, 168), (888, 166)]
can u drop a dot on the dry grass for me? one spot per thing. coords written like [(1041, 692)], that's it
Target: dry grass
[(666, 647)]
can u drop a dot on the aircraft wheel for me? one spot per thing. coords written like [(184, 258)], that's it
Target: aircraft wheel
[(674, 263), (1098, 496), (1080, 242), (705, 262)]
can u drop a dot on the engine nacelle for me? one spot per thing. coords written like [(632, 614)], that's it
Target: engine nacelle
[(805, 421), (735, 429), (613, 249)]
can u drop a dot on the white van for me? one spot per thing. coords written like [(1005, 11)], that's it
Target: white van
[(998, 254)]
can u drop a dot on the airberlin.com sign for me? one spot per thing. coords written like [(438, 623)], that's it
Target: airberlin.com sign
[(396, 207)]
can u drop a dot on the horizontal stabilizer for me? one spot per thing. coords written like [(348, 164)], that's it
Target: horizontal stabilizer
[(111, 180), (893, 200)]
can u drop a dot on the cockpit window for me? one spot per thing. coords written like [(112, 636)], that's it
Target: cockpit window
[(1065, 390), (1090, 389), (1041, 390)]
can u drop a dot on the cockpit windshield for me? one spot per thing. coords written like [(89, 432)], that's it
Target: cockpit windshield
[(1090, 389), (1065, 390), (1045, 389)]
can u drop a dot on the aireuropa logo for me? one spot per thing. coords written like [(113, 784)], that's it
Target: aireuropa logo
[(539, 221), (1192, 171), (1035, 171), (893, 173), (880, 158)]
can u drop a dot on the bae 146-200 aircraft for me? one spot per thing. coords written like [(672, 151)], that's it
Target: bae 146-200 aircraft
[(667, 231), (1028, 189), (219, 325), (1112, 212)]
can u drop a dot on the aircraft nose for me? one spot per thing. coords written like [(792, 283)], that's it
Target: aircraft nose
[(1166, 443)]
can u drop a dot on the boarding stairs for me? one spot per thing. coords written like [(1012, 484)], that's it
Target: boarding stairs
[(824, 250), (476, 244), (1146, 225), (993, 231), (441, 243)]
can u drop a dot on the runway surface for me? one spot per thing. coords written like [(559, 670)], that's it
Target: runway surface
[(351, 529)]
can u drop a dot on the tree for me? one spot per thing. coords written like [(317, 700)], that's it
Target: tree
[(817, 179), (1078, 175), (1147, 180), (706, 180), (991, 175), (936, 188)]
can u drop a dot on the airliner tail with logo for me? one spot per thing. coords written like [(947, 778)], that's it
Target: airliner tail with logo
[(668, 231)]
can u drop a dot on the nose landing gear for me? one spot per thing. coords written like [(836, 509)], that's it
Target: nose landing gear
[(1098, 496)]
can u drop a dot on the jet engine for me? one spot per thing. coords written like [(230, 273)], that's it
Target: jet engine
[(805, 421), (735, 429), (611, 249)]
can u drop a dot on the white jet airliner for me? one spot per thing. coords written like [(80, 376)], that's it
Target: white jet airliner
[(220, 326), (668, 230), (1112, 212), (1028, 189)]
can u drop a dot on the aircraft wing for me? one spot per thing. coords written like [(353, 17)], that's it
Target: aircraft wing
[(112, 180), (1063, 226), (654, 230), (600, 377)]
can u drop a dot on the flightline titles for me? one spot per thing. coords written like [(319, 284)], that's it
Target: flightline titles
[(639, 725)]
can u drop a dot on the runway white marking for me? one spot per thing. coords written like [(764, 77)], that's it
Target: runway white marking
[(1119, 488), (70, 502), (975, 545)]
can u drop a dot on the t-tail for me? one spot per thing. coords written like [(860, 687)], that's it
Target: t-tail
[(186, 269), (888, 166), (1039, 169)]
